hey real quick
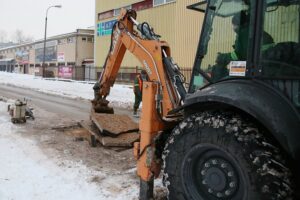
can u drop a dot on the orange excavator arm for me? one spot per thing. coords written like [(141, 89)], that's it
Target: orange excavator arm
[(163, 92), (153, 55)]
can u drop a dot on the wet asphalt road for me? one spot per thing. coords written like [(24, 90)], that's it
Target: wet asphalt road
[(75, 109)]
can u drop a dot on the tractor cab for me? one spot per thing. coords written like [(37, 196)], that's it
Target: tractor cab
[(250, 40)]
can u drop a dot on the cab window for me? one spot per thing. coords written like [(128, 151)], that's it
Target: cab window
[(280, 58)]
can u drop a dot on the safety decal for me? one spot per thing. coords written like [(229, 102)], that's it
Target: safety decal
[(237, 68)]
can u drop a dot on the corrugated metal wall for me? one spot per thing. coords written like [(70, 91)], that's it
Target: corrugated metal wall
[(162, 20), (176, 24), (283, 23), (187, 29)]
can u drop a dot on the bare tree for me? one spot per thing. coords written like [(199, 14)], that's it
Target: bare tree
[(3, 36), (20, 37), (28, 38)]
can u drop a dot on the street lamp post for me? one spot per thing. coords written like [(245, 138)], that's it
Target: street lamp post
[(55, 6)]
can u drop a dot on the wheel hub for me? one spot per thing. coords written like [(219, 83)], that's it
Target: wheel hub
[(210, 173), (218, 178)]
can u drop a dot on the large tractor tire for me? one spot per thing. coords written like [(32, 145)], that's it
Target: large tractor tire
[(219, 155)]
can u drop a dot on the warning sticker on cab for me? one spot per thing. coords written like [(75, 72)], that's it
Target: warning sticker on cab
[(237, 68)]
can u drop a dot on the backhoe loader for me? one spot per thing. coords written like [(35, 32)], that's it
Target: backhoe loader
[(235, 132)]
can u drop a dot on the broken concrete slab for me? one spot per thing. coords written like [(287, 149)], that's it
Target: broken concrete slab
[(93, 131), (114, 125), (123, 140)]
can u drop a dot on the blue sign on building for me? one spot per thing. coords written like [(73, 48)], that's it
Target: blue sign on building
[(105, 28)]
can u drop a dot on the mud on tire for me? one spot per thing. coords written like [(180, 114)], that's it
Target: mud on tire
[(219, 155)]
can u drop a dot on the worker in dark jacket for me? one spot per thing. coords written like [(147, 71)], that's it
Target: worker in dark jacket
[(240, 23), (138, 90)]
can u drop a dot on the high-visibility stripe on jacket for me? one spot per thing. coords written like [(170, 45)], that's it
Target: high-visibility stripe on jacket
[(264, 47), (138, 83)]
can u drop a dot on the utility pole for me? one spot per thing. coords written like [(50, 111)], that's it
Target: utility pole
[(43, 65)]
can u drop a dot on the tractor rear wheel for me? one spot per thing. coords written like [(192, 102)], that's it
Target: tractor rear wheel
[(219, 155)]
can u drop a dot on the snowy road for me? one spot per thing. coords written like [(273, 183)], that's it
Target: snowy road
[(77, 109), (71, 99), (120, 95)]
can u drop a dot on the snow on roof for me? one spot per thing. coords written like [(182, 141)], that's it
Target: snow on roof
[(6, 59)]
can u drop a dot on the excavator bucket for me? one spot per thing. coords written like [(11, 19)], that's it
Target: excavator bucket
[(101, 106)]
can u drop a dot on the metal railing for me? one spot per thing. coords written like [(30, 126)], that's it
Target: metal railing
[(88, 73)]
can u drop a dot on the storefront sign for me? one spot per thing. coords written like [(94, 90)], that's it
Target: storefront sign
[(105, 28), (22, 57), (50, 54), (60, 57), (65, 71)]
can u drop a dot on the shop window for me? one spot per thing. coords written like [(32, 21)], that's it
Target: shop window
[(117, 11), (70, 40), (71, 63), (161, 2), (90, 39)]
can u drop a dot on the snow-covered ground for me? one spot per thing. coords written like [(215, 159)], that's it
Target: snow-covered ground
[(27, 173), (120, 95)]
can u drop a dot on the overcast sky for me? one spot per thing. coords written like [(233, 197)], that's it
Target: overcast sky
[(29, 16)]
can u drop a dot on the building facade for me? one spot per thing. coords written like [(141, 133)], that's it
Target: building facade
[(63, 53), (176, 24)]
